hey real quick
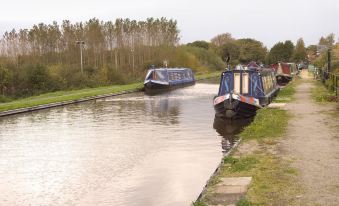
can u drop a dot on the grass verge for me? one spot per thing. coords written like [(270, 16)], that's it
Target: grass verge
[(287, 92), (268, 123), (320, 93), (208, 75), (66, 96)]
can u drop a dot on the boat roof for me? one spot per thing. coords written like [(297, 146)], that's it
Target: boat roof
[(260, 70), (167, 69)]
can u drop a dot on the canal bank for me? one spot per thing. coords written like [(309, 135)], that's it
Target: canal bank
[(62, 98), (290, 153)]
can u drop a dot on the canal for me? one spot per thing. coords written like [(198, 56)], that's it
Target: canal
[(126, 150)]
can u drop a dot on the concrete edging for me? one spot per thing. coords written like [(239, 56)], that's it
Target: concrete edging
[(216, 171)]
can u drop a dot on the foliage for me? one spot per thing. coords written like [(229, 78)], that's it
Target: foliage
[(328, 40), (280, 52), (231, 49), (201, 44), (4, 99), (46, 58), (251, 50), (221, 39), (300, 51), (320, 94), (239, 50)]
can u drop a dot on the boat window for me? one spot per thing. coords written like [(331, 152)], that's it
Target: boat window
[(160, 75), (236, 83), (149, 75), (264, 81), (245, 83)]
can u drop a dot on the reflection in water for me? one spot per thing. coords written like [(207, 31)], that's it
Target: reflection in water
[(229, 130), (127, 150)]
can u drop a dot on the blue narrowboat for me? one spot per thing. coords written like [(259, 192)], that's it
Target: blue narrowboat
[(164, 79), (244, 90)]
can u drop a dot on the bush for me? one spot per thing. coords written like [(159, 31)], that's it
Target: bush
[(4, 99)]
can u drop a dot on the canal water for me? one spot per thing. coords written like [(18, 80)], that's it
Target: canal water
[(126, 150)]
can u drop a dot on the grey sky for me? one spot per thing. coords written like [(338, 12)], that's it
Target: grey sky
[(269, 21)]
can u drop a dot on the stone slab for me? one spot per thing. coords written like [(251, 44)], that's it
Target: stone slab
[(229, 190), (277, 105)]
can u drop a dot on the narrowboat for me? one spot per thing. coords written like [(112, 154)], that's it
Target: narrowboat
[(285, 72), (164, 79), (243, 91)]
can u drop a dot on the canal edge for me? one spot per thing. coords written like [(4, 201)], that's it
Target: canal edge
[(217, 169), (63, 103)]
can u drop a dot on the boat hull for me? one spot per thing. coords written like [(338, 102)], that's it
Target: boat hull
[(152, 88), (283, 80), (235, 106)]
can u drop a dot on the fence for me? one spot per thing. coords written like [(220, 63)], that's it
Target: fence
[(330, 80)]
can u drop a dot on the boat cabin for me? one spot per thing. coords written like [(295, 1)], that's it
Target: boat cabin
[(252, 83)]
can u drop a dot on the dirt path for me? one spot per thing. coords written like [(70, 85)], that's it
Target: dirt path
[(313, 144)]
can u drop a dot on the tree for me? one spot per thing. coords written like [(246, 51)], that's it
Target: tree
[(300, 51), (281, 52), (230, 49), (201, 44), (328, 40), (251, 50), (221, 39)]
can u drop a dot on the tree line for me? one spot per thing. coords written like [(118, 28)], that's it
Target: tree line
[(46, 57)]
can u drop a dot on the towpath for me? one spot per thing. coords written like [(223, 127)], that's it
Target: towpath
[(312, 144)]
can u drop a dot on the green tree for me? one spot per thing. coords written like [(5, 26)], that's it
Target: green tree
[(251, 50), (281, 52), (230, 49), (201, 44), (300, 51), (4, 79)]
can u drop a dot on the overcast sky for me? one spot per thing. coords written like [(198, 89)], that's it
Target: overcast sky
[(269, 21)]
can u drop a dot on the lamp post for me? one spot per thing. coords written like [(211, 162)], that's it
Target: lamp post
[(81, 44)]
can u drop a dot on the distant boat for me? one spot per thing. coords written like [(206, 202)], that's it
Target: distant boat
[(164, 79), (285, 72), (243, 91)]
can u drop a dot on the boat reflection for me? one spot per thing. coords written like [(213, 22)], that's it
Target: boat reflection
[(229, 130)]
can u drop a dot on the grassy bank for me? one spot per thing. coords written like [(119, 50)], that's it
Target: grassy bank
[(274, 181), (208, 75), (60, 96), (66, 96), (286, 93), (321, 94)]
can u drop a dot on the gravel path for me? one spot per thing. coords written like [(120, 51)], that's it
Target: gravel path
[(313, 144)]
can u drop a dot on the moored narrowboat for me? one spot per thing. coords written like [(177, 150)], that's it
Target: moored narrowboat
[(285, 72), (243, 91), (164, 79)]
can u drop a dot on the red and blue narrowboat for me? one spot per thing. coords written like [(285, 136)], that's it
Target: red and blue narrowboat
[(244, 90), (285, 72)]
